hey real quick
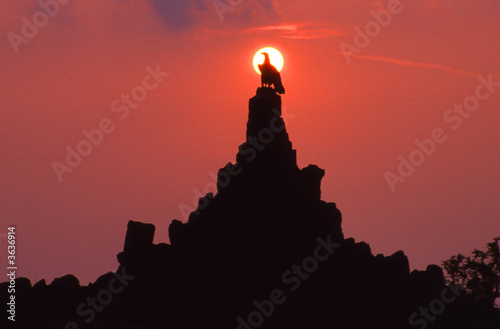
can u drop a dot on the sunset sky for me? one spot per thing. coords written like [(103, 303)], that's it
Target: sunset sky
[(356, 116)]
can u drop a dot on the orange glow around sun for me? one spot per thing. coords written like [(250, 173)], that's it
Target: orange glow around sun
[(274, 55)]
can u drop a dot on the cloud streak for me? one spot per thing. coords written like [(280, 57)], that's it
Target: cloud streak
[(409, 63), (301, 31), (287, 31)]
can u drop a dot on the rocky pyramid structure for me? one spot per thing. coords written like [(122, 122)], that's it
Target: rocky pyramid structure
[(264, 252)]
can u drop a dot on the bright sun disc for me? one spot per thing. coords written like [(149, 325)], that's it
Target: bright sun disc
[(274, 55)]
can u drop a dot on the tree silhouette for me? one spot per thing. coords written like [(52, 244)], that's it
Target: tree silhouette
[(479, 273)]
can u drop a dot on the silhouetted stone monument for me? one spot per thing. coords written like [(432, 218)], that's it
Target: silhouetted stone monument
[(264, 252)]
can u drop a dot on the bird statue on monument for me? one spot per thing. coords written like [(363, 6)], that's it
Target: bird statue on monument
[(269, 75)]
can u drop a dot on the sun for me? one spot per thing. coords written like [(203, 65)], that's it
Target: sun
[(274, 55)]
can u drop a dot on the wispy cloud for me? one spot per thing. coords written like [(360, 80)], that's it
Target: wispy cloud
[(416, 64), (301, 31), (185, 15), (178, 15), (287, 31), (248, 17)]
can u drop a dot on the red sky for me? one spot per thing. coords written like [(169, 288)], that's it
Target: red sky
[(352, 119)]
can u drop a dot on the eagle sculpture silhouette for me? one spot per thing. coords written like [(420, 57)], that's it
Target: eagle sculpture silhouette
[(269, 75)]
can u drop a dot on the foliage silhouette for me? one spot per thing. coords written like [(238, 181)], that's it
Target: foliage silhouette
[(479, 273)]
